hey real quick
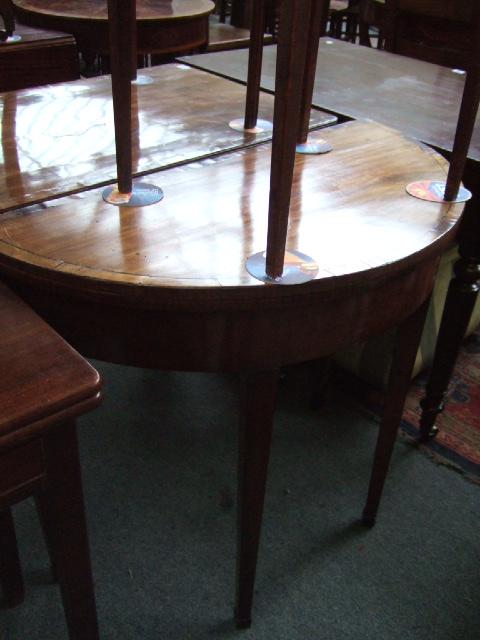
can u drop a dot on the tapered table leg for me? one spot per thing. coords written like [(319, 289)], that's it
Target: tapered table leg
[(10, 569), (259, 394), (62, 509), (408, 338)]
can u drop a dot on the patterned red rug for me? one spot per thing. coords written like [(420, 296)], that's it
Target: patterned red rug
[(458, 442)]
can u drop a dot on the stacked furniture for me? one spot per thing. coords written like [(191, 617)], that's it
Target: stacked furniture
[(254, 258)]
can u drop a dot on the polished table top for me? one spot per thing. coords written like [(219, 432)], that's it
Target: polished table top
[(418, 98), (166, 285), (59, 138), (349, 211)]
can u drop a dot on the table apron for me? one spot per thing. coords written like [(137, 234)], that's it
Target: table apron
[(230, 340)]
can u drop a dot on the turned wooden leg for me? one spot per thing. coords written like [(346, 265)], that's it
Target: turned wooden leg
[(10, 570), (461, 297), (259, 392), (408, 338), (61, 505)]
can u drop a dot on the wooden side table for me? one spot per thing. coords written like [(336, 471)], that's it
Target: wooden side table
[(163, 26), (166, 286), (39, 57)]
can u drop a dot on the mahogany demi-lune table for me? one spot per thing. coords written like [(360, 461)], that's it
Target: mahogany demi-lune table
[(165, 286), (422, 100), (163, 26)]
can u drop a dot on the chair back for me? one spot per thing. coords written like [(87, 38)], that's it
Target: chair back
[(438, 31)]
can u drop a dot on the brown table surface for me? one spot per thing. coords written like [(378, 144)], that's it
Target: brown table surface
[(214, 215), (418, 98), (59, 139)]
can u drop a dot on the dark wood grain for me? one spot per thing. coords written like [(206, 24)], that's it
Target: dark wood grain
[(60, 139)]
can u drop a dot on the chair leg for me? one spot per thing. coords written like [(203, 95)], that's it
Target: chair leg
[(259, 395), (10, 570), (364, 34), (62, 512), (47, 534), (408, 339)]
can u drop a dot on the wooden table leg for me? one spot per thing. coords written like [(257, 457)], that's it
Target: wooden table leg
[(64, 517), (10, 569), (318, 18), (259, 393), (460, 301), (119, 14), (255, 55), (408, 338)]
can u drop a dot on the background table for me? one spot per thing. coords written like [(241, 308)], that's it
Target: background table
[(40, 57), (163, 26), (418, 98)]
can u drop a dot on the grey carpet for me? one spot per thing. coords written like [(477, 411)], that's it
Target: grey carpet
[(159, 460)]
